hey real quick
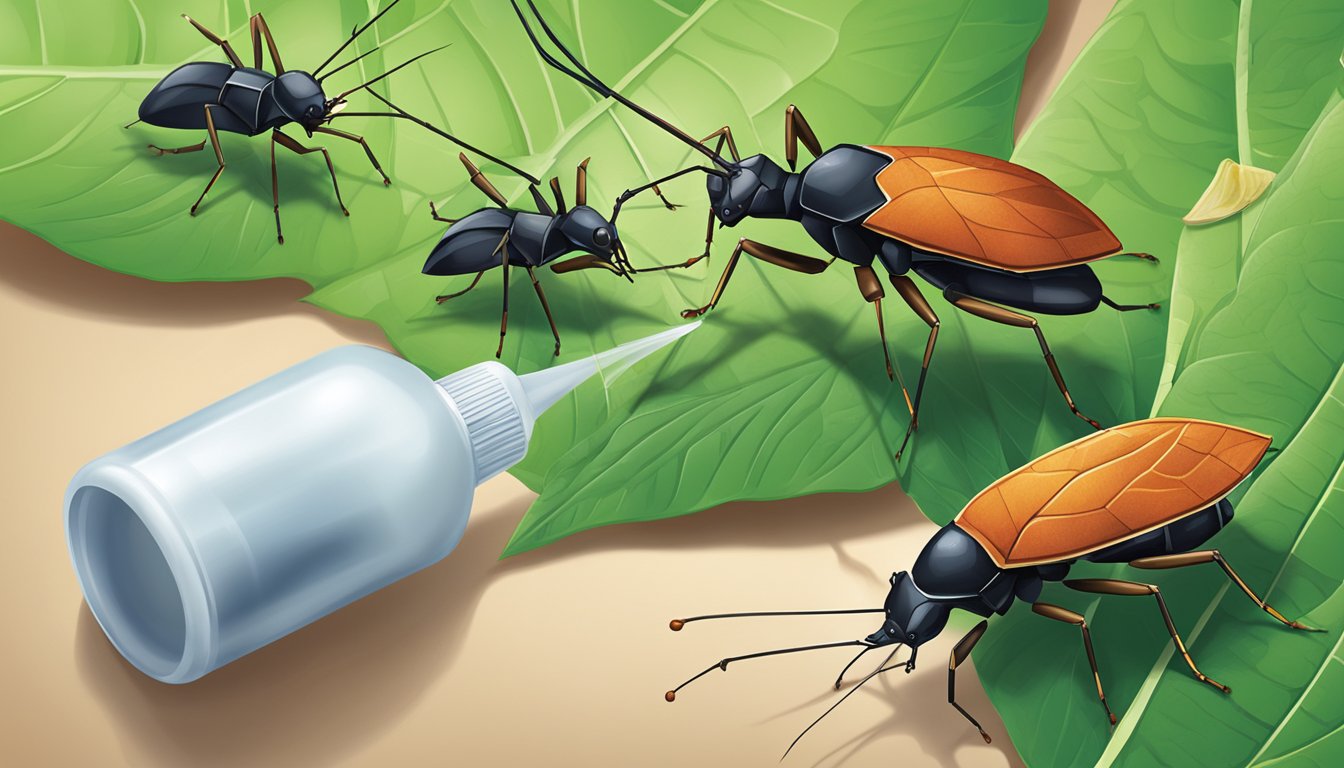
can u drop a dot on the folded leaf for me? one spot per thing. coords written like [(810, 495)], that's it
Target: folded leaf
[(1234, 187)]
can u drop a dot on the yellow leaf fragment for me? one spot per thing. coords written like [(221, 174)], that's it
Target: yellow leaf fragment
[(1234, 187)]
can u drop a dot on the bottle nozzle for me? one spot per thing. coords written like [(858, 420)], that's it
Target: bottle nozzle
[(546, 388), (500, 407)]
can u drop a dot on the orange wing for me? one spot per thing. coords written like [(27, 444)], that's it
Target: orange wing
[(985, 210), (1108, 487)]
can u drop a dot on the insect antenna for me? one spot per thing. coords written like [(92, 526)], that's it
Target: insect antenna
[(831, 709), (391, 71), (403, 114), (353, 34), (348, 63), (584, 76), (677, 624), (723, 664)]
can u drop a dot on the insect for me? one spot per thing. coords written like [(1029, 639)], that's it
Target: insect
[(987, 233), (505, 237), (1145, 493), (215, 96)]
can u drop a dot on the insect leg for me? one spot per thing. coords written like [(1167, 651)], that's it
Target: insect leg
[(586, 261), (768, 253), (434, 214), (796, 129), (176, 150), (871, 288), (445, 297), (258, 27), (1214, 556), (625, 196), (297, 148), (481, 182), (275, 191), (910, 292), (1127, 307), (724, 134), (661, 267), (1119, 587), (1008, 317), (358, 140), (1140, 255), (219, 156), (532, 273), (709, 234), (503, 250), (959, 654), (718, 150), (217, 40), (1069, 617)]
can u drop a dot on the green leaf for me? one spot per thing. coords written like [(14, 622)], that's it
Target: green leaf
[(1261, 347), (868, 71), (1286, 705), (1264, 356), (1295, 49)]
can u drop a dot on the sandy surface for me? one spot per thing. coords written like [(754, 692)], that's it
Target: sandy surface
[(554, 658)]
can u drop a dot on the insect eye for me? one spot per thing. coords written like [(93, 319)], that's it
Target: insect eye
[(601, 236)]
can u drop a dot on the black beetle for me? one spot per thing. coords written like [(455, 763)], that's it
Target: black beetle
[(1145, 493), (215, 96)]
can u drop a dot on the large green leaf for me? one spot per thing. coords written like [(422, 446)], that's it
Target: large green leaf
[(991, 403), (1266, 353), (1295, 49), (864, 71)]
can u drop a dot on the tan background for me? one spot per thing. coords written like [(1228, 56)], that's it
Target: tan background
[(554, 658)]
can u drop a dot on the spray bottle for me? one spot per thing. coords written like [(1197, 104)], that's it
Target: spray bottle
[(257, 515)]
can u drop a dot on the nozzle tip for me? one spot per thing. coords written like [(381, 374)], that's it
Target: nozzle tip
[(675, 625), (670, 695)]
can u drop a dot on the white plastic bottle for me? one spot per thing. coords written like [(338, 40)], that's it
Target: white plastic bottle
[(259, 514)]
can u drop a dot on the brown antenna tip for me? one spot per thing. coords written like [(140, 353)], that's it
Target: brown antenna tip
[(670, 695), (986, 737), (676, 625)]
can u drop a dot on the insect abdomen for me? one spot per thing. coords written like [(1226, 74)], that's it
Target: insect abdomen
[(178, 100), (471, 244)]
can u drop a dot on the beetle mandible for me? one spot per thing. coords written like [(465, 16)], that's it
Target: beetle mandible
[(988, 233), (1146, 493)]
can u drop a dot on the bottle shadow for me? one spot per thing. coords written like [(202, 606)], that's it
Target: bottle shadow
[(332, 687)]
